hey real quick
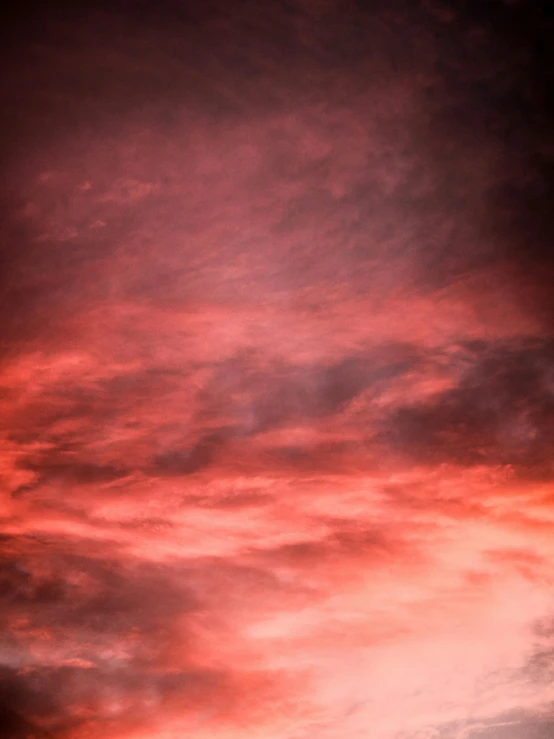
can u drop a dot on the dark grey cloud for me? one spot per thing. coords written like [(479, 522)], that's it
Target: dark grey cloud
[(53, 696), (530, 728), (501, 412), (183, 461), (14, 726), (271, 394), (115, 625), (92, 593), (509, 726)]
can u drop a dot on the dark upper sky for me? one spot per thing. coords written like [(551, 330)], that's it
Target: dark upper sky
[(277, 370)]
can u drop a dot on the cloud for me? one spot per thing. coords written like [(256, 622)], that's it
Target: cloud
[(499, 411), (275, 372)]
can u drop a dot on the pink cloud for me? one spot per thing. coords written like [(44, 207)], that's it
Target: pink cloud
[(276, 394)]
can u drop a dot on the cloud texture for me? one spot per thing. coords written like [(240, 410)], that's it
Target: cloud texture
[(276, 371)]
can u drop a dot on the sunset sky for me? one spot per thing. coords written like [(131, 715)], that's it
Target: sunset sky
[(277, 370)]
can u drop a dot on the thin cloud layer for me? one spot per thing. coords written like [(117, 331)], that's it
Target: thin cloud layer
[(276, 386)]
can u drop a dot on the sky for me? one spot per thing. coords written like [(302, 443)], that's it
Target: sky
[(277, 370)]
